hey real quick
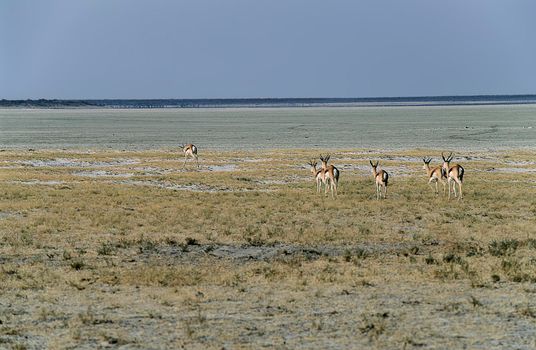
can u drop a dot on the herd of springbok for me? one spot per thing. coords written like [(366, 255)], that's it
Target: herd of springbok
[(445, 173), (328, 175)]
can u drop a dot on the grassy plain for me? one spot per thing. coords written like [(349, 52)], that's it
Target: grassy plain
[(128, 249)]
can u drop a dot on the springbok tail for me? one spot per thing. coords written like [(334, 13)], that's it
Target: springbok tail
[(462, 171)]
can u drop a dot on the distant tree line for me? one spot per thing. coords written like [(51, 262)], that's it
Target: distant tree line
[(271, 102)]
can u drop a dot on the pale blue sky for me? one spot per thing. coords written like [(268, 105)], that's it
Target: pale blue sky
[(265, 48)]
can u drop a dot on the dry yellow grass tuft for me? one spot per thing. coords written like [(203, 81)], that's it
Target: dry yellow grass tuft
[(112, 248)]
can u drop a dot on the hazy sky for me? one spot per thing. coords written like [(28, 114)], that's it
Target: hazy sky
[(265, 48)]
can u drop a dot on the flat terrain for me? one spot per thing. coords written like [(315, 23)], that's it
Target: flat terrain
[(126, 249), (447, 127)]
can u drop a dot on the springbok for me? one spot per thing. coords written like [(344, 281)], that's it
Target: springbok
[(319, 175), (381, 178), (453, 173), (434, 175), (331, 173), (190, 150)]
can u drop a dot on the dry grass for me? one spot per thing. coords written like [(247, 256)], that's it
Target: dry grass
[(127, 248)]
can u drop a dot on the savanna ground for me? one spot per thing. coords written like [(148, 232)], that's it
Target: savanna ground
[(126, 249)]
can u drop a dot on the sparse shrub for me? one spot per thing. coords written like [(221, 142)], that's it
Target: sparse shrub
[(347, 256), (430, 260), (514, 270), (146, 245), (246, 179), (414, 250), (106, 248), (374, 325), (470, 248), (474, 301), (255, 240), (361, 253), (504, 247), (191, 241), (67, 255), (170, 241), (452, 258), (78, 264), (456, 268), (531, 243)]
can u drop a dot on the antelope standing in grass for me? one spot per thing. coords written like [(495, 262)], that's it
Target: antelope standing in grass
[(454, 174), (190, 150), (332, 175), (319, 174), (435, 174), (381, 178)]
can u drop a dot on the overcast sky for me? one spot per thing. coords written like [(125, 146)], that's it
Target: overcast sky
[(265, 48)]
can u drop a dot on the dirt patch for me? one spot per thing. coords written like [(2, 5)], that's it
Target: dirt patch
[(178, 187), (77, 163), (8, 214), (519, 163), (150, 170), (225, 167), (39, 182), (512, 170), (267, 253), (171, 186), (101, 173)]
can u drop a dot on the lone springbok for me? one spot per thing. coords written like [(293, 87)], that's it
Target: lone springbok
[(453, 173), (381, 178), (332, 175), (190, 150), (319, 175), (434, 175)]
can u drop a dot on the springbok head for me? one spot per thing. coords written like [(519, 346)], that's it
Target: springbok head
[(446, 161), (313, 164), (325, 160), (426, 163)]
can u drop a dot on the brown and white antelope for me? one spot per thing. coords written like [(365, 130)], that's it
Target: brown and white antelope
[(190, 150), (319, 175), (435, 174), (332, 175), (381, 179), (454, 174)]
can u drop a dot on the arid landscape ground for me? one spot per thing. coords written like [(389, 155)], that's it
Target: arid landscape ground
[(127, 249)]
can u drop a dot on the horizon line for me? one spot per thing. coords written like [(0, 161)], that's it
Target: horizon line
[(268, 98)]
